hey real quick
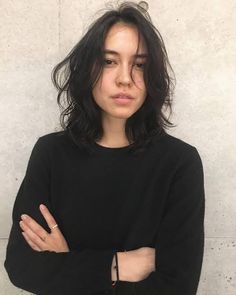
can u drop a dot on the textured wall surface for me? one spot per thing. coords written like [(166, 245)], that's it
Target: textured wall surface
[(200, 38)]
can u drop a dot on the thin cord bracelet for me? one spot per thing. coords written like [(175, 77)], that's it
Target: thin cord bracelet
[(117, 268), (117, 271)]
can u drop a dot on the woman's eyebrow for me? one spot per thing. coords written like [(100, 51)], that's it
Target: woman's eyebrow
[(142, 55)]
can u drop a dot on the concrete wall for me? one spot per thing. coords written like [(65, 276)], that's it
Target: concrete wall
[(201, 42)]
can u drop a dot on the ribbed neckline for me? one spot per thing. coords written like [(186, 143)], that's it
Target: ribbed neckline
[(121, 150), (111, 150)]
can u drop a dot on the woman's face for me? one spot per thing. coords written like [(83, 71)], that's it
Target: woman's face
[(116, 73)]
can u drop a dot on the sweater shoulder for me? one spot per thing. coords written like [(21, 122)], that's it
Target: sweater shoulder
[(178, 144), (184, 151), (180, 155), (175, 148), (53, 138), (48, 142)]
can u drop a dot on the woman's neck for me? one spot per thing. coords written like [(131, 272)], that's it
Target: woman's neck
[(113, 133)]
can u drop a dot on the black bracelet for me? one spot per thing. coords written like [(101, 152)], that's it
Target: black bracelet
[(117, 268)]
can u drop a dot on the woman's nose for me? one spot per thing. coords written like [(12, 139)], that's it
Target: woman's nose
[(124, 75)]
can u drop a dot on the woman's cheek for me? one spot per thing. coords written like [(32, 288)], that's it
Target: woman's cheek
[(140, 84)]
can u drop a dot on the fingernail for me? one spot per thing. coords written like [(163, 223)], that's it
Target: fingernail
[(24, 217), (42, 207)]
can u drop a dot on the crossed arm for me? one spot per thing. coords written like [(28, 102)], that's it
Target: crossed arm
[(133, 265)]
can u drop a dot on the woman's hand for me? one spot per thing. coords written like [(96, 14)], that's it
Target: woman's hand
[(135, 265), (38, 238)]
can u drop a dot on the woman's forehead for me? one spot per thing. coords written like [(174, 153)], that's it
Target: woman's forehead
[(124, 38)]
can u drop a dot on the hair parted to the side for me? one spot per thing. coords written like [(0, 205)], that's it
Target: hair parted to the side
[(77, 74)]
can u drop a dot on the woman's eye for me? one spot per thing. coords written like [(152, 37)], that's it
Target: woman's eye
[(107, 61), (140, 65)]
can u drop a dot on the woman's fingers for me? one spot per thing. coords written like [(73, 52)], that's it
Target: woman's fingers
[(48, 216), (32, 226), (38, 238), (32, 245), (32, 236)]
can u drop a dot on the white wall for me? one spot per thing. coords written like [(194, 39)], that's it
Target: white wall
[(200, 37)]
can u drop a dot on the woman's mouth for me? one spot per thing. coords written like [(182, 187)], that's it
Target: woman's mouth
[(122, 99)]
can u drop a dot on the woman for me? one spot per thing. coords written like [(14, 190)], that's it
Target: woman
[(113, 203)]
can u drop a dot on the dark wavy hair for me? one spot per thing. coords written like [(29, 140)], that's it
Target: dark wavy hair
[(77, 74)]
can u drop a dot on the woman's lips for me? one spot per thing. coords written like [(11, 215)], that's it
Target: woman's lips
[(122, 99)]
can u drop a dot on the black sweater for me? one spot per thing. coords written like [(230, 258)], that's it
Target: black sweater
[(106, 202)]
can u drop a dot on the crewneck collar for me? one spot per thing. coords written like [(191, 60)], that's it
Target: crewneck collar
[(111, 150)]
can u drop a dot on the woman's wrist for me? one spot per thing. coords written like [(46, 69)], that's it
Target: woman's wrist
[(121, 257), (113, 270), (116, 270)]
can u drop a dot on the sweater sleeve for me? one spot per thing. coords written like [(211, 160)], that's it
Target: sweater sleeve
[(180, 240), (86, 271)]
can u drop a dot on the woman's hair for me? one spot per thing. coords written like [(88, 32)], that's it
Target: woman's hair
[(77, 74)]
